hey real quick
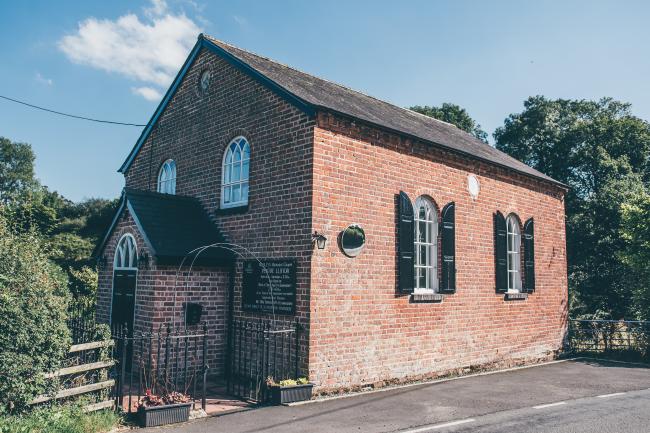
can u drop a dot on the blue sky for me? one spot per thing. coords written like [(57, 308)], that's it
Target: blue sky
[(112, 60)]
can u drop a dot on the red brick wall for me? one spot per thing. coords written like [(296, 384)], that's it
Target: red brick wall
[(362, 330), (195, 131)]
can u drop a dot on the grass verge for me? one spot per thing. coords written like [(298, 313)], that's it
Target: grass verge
[(60, 419)]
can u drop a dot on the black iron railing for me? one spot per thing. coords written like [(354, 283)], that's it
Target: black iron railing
[(82, 325), (168, 360), (613, 337), (171, 360), (258, 350)]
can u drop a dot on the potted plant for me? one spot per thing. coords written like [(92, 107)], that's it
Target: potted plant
[(289, 390), (169, 408)]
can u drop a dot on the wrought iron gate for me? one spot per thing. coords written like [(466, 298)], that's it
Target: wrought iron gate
[(257, 350)]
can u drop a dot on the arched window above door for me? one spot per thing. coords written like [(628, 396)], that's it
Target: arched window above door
[(126, 253)]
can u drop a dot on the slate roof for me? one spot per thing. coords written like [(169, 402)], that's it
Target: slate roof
[(172, 226), (326, 95)]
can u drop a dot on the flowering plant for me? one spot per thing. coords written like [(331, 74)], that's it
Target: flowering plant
[(270, 382), (150, 399)]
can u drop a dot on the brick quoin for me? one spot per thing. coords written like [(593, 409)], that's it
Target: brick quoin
[(323, 173)]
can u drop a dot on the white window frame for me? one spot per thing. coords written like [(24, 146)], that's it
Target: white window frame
[(125, 245), (513, 251), (167, 177), (429, 244), (229, 166)]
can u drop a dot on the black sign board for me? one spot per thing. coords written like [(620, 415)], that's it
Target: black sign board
[(280, 275)]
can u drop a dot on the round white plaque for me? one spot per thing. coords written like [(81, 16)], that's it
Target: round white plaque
[(473, 186)]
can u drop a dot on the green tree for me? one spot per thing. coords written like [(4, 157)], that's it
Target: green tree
[(601, 151), (78, 229), (71, 230), (636, 234), (34, 337), (454, 114), (16, 169)]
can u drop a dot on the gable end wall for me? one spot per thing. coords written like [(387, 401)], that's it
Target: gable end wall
[(195, 130)]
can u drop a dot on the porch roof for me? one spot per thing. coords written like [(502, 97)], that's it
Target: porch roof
[(173, 227)]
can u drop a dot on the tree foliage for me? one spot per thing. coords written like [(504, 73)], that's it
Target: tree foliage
[(636, 254), (602, 152), (69, 229), (34, 337), (16, 169), (454, 114)]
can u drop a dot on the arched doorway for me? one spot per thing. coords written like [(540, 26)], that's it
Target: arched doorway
[(125, 273)]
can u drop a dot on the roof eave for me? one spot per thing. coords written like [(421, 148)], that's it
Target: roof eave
[(161, 106)]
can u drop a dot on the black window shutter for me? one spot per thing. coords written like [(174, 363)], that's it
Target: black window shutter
[(448, 241), (500, 253), (529, 256), (406, 238)]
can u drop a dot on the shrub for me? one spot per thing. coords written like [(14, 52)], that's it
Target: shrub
[(63, 419), (34, 337)]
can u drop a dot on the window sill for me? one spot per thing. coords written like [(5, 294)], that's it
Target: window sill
[(416, 298), (232, 210), (516, 296)]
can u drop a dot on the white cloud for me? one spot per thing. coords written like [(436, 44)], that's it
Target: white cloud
[(148, 93), (150, 51), (158, 7), (41, 79), (242, 21)]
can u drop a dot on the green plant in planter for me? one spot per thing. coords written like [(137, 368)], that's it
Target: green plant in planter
[(289, 390), (270, 382)]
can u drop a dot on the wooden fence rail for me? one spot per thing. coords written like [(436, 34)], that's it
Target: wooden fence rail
[(83, 368)]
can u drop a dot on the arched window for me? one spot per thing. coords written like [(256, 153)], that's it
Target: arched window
[(426, 246), (126, 253), (234, 180), (167, 177), (513, 233)]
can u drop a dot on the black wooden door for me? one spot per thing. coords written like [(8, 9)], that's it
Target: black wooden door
[(123, 305)]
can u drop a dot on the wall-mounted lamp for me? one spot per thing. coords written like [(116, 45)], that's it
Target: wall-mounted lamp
[(320, 240)]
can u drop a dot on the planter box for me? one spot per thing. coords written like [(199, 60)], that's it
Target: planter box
[(290, 394), (160, 415)]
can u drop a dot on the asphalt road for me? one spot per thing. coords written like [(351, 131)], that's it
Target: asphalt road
[(511, 401), (627, 412)]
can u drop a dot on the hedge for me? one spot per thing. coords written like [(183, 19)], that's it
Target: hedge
[(34, 337)]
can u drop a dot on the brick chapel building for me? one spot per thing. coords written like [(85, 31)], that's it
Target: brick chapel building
[(411, 248)]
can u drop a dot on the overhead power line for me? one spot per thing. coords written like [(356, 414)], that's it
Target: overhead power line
[(69, 115)]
